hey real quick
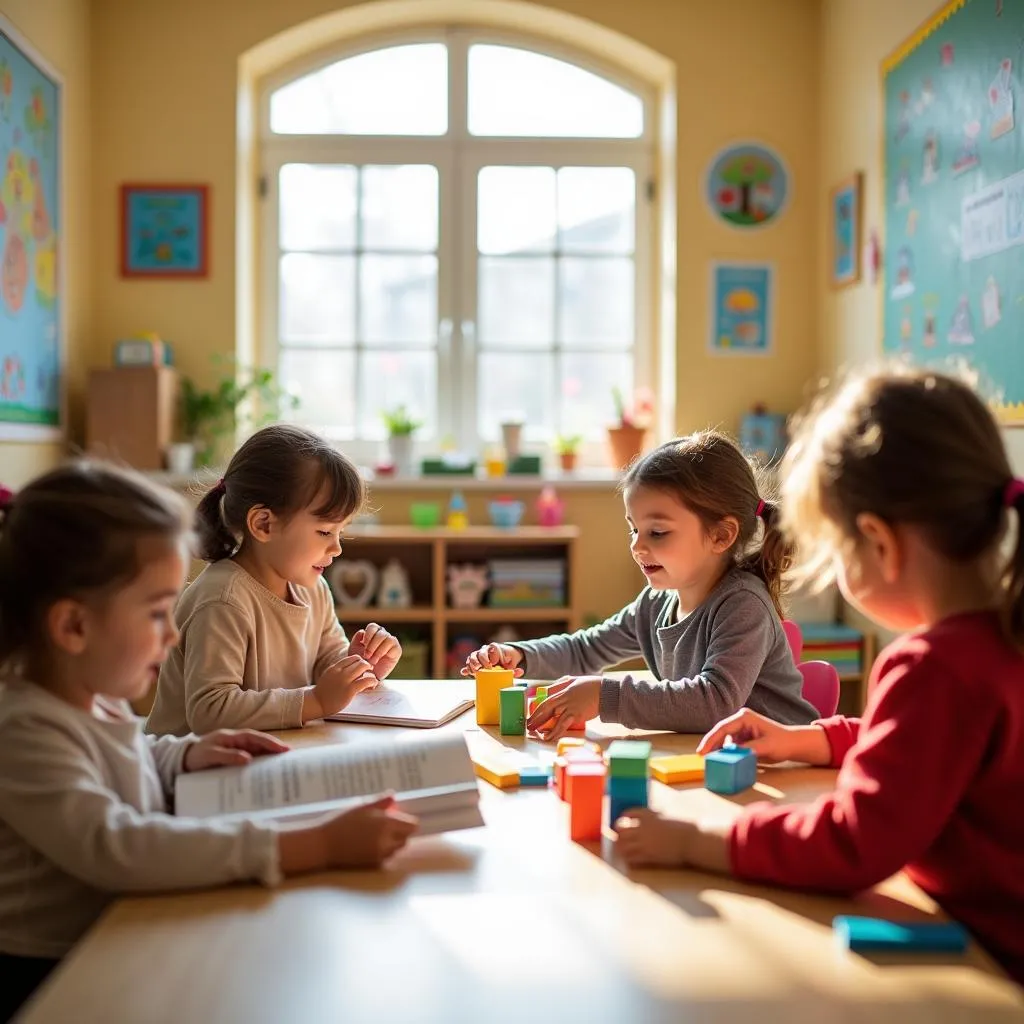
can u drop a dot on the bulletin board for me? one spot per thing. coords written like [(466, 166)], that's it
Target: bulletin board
[(30, 243), (953, 171)]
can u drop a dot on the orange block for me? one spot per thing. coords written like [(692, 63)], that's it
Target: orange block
[(586, 800), (577, 755)]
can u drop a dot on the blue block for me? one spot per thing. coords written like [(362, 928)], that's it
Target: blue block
[(634, 790), (533, 775), (872, 935), (730, 770)]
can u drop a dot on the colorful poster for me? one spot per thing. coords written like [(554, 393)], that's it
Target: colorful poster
[(30, 300), (747, 185), (163, 230), (741, 308)]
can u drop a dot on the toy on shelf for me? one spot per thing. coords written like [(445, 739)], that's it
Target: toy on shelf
[(731, 769), (494, 462), (425, 514), (505, 513), (458, 515), (550, 508), (627, 767), (458, 651), (395, 591), (466, 585), (353, 583)]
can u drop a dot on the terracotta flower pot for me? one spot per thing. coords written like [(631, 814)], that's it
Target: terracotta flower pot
[(567, 461), (626, 443)]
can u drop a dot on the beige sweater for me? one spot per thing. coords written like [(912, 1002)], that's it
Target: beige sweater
[(244, 654), (84, 816)]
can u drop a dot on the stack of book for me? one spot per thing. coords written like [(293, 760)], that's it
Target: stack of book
[(527, 583), (840, 645)]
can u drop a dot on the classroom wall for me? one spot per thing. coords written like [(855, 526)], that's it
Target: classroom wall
[(60, 31), (166, 91), (855, 36)]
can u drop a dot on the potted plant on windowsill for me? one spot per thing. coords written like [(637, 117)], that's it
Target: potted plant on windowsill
[(626, 437), (567, 447), (401, 427)]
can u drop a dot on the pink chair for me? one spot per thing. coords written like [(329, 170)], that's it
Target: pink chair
[(821, 686), (795, 638)]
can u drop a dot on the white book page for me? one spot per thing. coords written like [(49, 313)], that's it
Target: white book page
[(409, 700), (327, 774)]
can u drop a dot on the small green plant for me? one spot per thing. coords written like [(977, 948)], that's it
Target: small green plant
[(568, 444), (399, 422)]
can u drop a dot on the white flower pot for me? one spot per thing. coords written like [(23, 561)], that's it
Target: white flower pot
[(181, 457), (400, 448)]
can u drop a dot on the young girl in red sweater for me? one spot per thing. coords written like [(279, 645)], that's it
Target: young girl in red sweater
[(902, 484)]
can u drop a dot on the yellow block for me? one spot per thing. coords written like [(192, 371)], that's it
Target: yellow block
[(568, 742), (497, 775), (678, 768), (489, 683)]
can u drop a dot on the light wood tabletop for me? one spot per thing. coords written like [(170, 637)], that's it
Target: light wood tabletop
[(513, 922)]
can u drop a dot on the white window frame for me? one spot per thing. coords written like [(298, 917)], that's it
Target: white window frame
[(458, 157)]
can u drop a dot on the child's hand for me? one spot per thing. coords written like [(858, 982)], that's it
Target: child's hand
[(229, 747), (769, 740), (572, 701), (366, 836), (378, 647), (648, 838), (494, 656), (339, 684)]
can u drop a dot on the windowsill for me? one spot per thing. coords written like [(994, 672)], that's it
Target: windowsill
[(595, 478)]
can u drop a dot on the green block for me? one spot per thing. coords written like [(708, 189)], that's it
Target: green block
[(512, 711), (541, 693), (627, 759)]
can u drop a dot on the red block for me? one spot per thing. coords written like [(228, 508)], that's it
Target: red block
[(577, 755)]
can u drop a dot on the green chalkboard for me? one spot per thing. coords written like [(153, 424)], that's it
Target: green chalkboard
[(954, 196)]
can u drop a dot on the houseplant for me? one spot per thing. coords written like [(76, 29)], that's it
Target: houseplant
[(400, 426), (627, 434), (567, 447)]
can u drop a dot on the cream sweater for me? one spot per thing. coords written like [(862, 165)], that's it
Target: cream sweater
[(84, 816), (244, 654)]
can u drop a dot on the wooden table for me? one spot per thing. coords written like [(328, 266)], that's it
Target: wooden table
[(514, 923)]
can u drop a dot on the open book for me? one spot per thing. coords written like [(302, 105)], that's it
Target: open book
[(431, 775), (421, 703)]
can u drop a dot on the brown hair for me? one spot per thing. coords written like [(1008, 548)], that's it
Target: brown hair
[(909, 446), (71, 532), (709, 474), (285, 469)]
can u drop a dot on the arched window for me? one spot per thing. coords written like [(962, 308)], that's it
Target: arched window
[(457, 224)]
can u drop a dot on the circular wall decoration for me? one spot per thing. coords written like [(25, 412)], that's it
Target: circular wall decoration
[(748, 185)]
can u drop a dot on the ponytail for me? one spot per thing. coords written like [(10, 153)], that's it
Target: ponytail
[(1011, 611), (772, 560), (214, 540)]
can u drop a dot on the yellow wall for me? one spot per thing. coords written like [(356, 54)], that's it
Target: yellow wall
[(855, 36), (59, 30), (166, 90)]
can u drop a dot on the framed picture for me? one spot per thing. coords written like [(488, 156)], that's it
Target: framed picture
[(32, 390), (742, 307), (845, 223), (164, 230)]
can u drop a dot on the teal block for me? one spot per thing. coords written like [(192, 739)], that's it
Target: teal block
[(873, 935), (534, 775), (628, 758), (730, 770), (632, 790), (512, 711), (617, 807)]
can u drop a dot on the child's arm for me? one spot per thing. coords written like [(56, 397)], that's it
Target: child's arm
[(741, 637), (585, 652), (374, 643), (173, 755)]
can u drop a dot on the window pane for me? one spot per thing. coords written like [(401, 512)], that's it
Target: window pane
[(325, 384), (586, 390), (517, 92), (516, 209), (398, 299), (318, 206), (388, 379), (400, 207), (517, 300), (595, 301), (596, 209), (513, 386), (316, 298), (402, 90)]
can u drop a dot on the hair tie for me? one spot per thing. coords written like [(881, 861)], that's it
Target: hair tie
[(759, 511), (1013, 492), (6, 496), (220, 487)]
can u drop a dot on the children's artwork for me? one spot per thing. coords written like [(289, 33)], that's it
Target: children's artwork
[(466, 584), (741, 308), (747, 185), (846, 221), (164, 230), (953, 197), (31, 308)]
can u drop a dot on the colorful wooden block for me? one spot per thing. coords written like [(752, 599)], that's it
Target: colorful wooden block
[(873, 935), (489, 684), (624, 793), (512, 711), (628, 758), (497, 775), (533, 775), (577, 754), (586, 800), (568, 742), (730, 770), (678, 768)]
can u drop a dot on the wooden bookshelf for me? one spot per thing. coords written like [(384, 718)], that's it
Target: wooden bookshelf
[(425, 555)]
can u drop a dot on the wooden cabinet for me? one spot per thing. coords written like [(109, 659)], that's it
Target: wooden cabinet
[(425, 554), (130, 414)]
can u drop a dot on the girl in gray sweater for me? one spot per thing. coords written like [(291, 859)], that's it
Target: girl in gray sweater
[(709, 623)]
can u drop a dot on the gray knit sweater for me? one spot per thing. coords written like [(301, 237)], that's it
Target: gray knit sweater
[(728, 653)]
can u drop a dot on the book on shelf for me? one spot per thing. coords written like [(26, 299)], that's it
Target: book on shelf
[(431, 775)]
